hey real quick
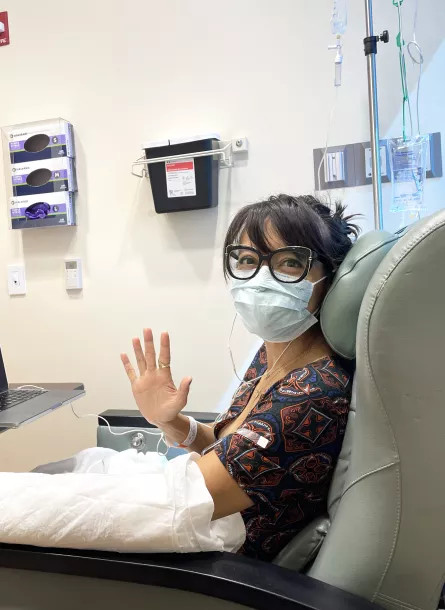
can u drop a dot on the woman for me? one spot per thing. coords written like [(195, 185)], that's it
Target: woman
[(272, 454)]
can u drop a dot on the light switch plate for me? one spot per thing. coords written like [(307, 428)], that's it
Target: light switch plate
[(16, 280)]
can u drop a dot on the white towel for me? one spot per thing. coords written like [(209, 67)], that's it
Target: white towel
[(125, 502)]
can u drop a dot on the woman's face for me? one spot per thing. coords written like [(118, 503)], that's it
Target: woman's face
[(316, 272)]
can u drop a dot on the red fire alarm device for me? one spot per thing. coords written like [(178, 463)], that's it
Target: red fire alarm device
[(4, 29)]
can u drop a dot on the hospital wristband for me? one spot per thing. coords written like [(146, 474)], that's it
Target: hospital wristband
[(193, 432)]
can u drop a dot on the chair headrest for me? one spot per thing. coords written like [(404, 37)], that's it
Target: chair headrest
[(341, 307)]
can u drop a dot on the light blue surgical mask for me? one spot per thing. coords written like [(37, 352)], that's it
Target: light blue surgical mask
[(275, 311)]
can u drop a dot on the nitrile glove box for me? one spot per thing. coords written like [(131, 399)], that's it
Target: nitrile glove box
[(40, 140), (38, 211), (189, 183), (47, 176)]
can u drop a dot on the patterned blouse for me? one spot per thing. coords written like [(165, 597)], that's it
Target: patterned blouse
[(283, 455)]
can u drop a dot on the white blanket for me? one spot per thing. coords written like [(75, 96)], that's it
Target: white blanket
[(125, 502)]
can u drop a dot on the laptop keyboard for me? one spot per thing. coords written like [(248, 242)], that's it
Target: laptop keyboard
[(14, 397)]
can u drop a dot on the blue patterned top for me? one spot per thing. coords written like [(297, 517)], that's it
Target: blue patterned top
[(283, 455)]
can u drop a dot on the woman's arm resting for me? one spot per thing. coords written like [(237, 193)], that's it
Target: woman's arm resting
[(227, 495)]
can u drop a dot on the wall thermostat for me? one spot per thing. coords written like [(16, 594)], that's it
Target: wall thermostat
[(73, 274)]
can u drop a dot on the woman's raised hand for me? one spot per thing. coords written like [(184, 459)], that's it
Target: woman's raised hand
[(155, 394)]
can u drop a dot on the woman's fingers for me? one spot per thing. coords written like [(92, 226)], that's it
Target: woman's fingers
[(140, 358), (128, 368), (164, 352), (147, 361), (150, 353)]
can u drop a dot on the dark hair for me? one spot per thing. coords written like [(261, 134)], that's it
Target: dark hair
[(299, 221)]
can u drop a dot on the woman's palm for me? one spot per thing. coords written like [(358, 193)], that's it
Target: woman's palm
[(154, 391)]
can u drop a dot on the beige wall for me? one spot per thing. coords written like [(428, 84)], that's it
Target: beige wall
[(141, 70)]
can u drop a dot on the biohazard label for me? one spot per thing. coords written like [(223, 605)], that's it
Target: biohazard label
[(181, 180), (4, 29)]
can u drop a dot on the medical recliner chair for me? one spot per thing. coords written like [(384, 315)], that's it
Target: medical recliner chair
[(383, 542)]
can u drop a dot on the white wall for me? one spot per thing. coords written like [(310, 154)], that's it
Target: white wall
[(128, 72)]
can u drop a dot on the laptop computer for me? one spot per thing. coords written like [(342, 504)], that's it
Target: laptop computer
[(20, 406)]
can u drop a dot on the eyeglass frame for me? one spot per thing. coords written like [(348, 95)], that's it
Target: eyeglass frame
[(313, 256)]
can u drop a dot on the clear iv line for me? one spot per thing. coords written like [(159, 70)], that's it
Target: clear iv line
[(417, 61), (403, 76)]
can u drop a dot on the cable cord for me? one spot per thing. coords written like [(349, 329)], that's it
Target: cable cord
[(328, 135), (162, 437), (32, 387), (266, 374), (416, 54), (135, 431)]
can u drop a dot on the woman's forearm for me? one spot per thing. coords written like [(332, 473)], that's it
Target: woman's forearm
[(177, 431)]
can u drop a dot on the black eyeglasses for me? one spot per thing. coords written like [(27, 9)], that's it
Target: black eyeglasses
[(288, 265)]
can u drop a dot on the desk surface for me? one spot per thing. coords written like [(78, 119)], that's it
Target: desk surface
[(226, 576)]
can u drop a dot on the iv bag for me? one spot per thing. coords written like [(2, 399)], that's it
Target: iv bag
[(339, 19), (408, 162)]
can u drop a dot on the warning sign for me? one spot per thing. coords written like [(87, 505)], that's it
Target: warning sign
[(181, 180), (4, 29)]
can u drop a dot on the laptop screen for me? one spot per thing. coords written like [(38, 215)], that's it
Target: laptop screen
[(3, 378)]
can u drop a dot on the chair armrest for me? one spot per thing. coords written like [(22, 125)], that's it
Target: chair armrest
[(225, 576)]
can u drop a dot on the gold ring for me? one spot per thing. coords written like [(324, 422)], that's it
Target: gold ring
[(161, 365)]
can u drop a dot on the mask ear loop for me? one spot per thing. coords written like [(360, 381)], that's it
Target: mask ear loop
[(318, 311)]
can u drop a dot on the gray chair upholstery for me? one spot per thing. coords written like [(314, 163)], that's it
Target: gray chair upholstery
[(341, 307), (386, 493), (387, 540)]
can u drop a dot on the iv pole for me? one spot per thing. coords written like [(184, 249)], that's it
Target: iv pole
[(371, 52)]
